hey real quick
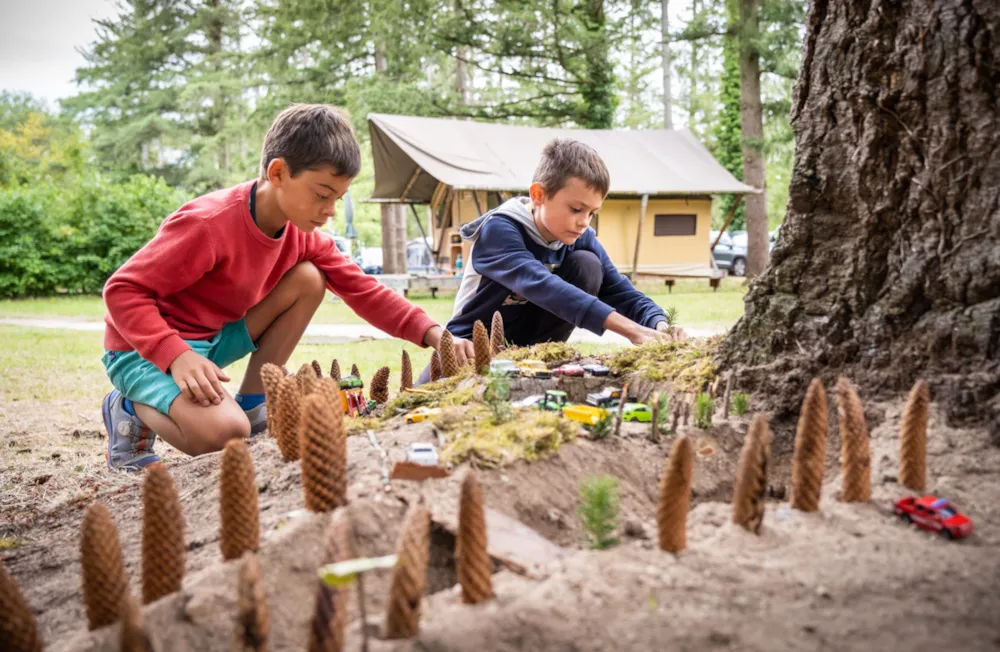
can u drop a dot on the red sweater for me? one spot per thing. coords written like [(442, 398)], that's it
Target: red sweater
[(209, 264)]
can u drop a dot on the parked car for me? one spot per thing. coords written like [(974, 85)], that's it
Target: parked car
[(596, 369), (568, 370), (534, 369), (728, 254), (607, 397), (503, 367), (424, 454), (637, 412), (421, 414), (554, 399), (934, 514), (528, 401), (369, 259)]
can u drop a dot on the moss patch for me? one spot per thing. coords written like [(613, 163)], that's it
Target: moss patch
[(546, 352), (11, 543), (686, 364), (531, 435), (436, 394)]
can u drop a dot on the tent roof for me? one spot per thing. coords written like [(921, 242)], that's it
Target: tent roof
[(413, 154)]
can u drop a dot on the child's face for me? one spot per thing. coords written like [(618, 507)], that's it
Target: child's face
[(309, 198), (567, 213)]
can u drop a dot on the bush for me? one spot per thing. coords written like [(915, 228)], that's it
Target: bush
[(704, 406), (603, 427), (599, 510), (30, 248), (741, 401)]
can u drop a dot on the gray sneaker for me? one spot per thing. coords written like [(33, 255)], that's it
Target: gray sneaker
[(258, 419), (130, 443)]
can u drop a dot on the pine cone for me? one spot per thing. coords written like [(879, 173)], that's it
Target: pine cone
[(446, 349), (354, 371), (475, 569), (497, 341), (104, 579), (288, 406), (330, 613), (409, 575), (163, 545), (435, 366), (913, 438), (324, 456), (675, 496), (253, 622), (318, 370), (271, 376), (810, 449), (481, 344), (406, 373), (238, 515), (330, 391), (751, 476), (335, 370), (18, 629), (134, 637), (379, 389), (855, 449), (306, 378)]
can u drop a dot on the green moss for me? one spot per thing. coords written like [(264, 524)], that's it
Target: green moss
[(440, 392), (10, 543), (471, 435), (546, 352), (358, 425), (686, 364)]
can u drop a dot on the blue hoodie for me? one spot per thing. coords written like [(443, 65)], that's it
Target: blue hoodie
[(510, 257)]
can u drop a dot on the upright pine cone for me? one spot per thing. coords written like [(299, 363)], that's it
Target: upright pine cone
[(18, 629), (855, 449), (379, 389), (335, 370), (810, 449), (330, 391), (271, 376), (104, 580), (163, 545), (435, 366), (324, 456), (288, 404), (306, 378), (330, 613), (475, 570), (253, 623), (751, 476), (405, 373), (497, 341), (134, 637), (446, 349), (317, 369), (238, 515), (913, 438), (354, 371), (675, 496), (409, 576), (481, 344)]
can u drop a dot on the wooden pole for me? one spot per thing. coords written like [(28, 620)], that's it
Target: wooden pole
[(445, 224), (413, 180), (728, 396), (638, 236), (475, 198), (729, 218), (423, 234)]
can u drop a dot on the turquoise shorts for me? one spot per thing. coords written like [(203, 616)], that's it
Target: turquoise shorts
[(141, 382)]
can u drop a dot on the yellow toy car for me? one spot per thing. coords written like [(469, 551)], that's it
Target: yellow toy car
[(421, 414), (586, 414), (534, 369)]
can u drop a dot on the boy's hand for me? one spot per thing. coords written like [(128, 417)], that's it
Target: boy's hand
[(198, 378), (636, 333), (464, 351), (672, 332)]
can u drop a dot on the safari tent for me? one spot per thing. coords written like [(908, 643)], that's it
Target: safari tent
[(656, 218)]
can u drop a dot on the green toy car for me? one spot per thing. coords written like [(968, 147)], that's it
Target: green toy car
[(350, 382), (554, 400), (637, 412)]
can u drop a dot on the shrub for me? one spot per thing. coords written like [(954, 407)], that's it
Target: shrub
[(497, 396), (741, 401), (603, 427), (703, 409), (599, 510)]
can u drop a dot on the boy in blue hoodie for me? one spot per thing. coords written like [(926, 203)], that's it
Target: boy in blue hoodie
[(537, 261)]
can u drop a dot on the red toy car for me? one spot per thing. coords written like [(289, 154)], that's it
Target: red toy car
[(569, 370), (934, 514)]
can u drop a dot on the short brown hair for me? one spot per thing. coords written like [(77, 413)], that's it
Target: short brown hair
[(564, 159), (307, 136)]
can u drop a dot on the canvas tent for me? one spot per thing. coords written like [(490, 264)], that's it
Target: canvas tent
[(656, 218)]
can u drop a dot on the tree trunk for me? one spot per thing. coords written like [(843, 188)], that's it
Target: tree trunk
[(392, 242), (668, 100), (888, 264), (461, 69), (752, 123)]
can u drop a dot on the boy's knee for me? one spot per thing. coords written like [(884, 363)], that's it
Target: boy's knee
[(217, 431), (309, 280), (584, 270)]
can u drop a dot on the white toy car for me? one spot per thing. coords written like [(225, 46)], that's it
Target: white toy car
[(423, 454), (505, 367)]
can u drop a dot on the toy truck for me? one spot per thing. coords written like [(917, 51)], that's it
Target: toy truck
[(352, 396), (554, 400), (586, 414), (534, 369), (606, 398)]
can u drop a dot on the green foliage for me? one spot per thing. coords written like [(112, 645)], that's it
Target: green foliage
[(603, 427), (497, 397), (663, 414), (598, 509), (704, 406), (728, 129), (741, 401)]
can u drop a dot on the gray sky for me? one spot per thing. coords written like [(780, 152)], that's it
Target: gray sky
[(38, 41)]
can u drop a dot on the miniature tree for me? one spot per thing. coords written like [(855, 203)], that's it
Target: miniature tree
[(855, 448), (661, 412), (481, 344), (598, 510), (379, 388), (497, 397), (288, 405), (239, 517), (134, 637), (497, 341), (354, 371), (704, 406), (751, 476), (741, 401), (675, 496), (435, 366), (317, 369), (335, 370), (446, 349), (163, 547), (18, 629), (104, 579), (271, 376), (602, 427), (810, 449), (472, 561), (330, 612), (253, 625), (405, 373), (913, 438), (409, 575), (324, 456)]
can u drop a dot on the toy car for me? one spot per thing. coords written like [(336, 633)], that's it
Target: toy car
[(608, 397), (423, 454), (637, 412), (503, 367), (554, 399), (596, 369), (534, 369), (529, 401), (421, 414), (568, 370), (934, 514), (587, 414)]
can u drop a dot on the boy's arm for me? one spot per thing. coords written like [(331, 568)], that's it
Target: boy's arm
[(618, 292), (179, 254)]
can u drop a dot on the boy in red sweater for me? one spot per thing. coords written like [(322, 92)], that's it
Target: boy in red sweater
[(233, 273)]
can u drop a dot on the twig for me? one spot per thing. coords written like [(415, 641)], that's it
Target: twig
[(385, 457), (727, 396)]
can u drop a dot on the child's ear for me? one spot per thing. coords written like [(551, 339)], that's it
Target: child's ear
[(537, 194), (276, 170)]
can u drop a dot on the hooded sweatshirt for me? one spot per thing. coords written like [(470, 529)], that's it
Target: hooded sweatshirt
[(512, 263)]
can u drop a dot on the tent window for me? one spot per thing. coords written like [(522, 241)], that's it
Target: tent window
[(675, 225)]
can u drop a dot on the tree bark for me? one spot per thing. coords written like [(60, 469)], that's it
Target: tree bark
[(752, 123), (888, 265), (393, 239), (668, 100)]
